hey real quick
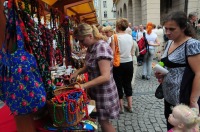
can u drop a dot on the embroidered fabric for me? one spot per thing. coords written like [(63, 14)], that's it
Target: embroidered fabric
[(22, 86)]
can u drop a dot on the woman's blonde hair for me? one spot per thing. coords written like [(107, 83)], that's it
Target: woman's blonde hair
[(122, 24), (149, 27), (100, 27), (108, 29), (189, 116), (85, 29)]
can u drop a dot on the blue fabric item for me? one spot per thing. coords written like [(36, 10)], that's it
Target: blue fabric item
[(134, 35), (22, 89)]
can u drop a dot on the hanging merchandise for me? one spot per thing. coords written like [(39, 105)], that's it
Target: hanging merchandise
[(24, 92), (58, 47), (60, 41), (58, 56), (35, 45), (57, 51), (78, 61), (65, 25)]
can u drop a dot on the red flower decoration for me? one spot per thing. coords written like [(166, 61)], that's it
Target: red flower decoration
[(36, 84), (35, 109), (11, 79), (19, 70), (23, 58), (26, 78), (18, 37), (43, 99), (31, 94), (24, 103), (13, 96), (21, 87)]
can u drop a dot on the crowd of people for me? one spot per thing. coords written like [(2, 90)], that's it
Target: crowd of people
[(174, 43)]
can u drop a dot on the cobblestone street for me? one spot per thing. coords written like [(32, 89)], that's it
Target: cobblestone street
[(148, 111)]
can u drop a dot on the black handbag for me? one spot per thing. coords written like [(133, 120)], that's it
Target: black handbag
[(187, 82), (159, 92)]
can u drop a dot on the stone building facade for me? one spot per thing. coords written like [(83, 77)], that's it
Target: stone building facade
[(104, 10), (143, 11)]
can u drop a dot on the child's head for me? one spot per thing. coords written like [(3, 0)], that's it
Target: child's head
[(184, 117), (109, 31)]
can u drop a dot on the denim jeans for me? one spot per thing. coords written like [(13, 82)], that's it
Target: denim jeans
[(147, 65)]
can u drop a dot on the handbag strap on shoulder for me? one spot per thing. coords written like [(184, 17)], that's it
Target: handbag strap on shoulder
[(186, 58), (115, 39)]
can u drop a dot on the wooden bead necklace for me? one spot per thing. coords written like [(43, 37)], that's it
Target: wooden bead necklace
[(66, 114), (54, 111)]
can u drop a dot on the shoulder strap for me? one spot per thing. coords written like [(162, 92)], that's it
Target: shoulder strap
[(186, 58), (146, 42), (115, 39), (167, 44), (144, 35)]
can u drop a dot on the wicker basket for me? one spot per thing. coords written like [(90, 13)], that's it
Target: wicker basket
[(58, 112)]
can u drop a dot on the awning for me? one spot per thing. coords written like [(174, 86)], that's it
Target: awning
[(83, 10), (50, 2)]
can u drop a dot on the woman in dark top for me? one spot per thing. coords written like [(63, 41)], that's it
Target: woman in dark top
[(182, 59)]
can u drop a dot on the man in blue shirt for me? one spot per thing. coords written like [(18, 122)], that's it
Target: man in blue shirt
[(134, 32)]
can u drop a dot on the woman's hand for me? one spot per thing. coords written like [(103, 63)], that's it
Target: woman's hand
[(73, 77), (159, 76), (194, 103), (79, 86)]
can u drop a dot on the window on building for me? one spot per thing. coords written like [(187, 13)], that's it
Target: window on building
[(104, 4), (96, 3), (114, 14), (105, 14)]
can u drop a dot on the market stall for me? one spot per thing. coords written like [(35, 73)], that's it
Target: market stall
[(38, 43)]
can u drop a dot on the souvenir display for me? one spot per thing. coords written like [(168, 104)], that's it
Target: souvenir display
[(68, 107), (36, 68)]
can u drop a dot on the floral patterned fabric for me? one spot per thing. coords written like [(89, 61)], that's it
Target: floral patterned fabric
[(22, 88)]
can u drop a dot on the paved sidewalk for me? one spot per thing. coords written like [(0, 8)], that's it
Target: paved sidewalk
[(148, 111)]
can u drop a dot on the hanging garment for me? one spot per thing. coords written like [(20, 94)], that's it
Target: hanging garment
[(24, 91)]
